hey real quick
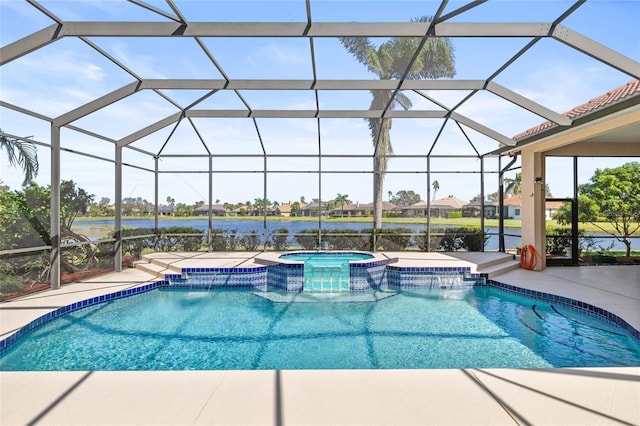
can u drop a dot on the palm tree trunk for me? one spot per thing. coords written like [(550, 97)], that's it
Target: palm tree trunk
[(379, 168)]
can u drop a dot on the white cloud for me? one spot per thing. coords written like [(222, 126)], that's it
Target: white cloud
[(285, 55)]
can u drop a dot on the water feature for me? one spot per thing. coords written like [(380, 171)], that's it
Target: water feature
[(326, 271)]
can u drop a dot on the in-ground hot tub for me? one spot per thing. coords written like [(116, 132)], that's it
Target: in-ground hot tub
[(325, 271)]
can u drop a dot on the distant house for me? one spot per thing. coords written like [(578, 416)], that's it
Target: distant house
[(513, 207), (357, 209), (439, 208), (313, 209), (271, 211), (216, 210), (551, 208), (473, 209), (166, 210), (284, 210)]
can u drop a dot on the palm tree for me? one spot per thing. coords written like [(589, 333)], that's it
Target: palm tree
[(513, 186), (391, 61), (342, 199), (23, 154), (172, 203), (436, 187)]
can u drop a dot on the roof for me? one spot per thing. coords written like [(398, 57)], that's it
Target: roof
[(449, 202), (514, 200), (205, 208), (365, 206), (612, 97)]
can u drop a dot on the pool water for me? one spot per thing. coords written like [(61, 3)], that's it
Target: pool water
[(326, 258), (326, 272), (179, 330)]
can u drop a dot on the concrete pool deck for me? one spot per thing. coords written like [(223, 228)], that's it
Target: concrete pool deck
[(320, 397)]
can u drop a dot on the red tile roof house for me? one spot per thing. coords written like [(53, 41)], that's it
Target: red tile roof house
[(439, 208), (618, 95), (513, 207)]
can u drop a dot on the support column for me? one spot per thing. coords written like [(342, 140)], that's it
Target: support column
[(533, 203), (118, 210), (482, 199), (55, 208), (428, 203), (210, 209), (265, 233), (156, 202)]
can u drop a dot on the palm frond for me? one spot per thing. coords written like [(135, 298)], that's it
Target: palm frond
[(22, 154)]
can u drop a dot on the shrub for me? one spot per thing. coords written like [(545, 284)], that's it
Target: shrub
[(391, 238), (453, 239), (250, 242), (10, 284), (135, 246), (473, 238), (454, 215), (345, 239), (307, 239), (558, 239), (170, 241), (233, 241), (279, 239), (436, 238), (218, 240)]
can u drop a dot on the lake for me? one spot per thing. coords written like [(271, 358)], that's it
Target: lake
[(97, 229)]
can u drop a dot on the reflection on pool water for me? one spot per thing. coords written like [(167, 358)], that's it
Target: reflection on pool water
[(169, 329)]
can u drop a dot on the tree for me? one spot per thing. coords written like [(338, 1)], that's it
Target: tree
[(397, 58), (513, 186), (29, 211), (436, 187), (295, 208), (172, 204), (23, 154), (342, 199), (405, 198), (612, 195)]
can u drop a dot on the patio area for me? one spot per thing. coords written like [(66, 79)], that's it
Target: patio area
[(469, 396)]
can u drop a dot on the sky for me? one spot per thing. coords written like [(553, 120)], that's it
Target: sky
[(69, 73)]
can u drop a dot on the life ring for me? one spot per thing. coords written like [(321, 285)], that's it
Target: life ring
[(529, 257)]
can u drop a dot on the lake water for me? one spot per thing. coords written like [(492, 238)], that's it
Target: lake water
[(97, 229)]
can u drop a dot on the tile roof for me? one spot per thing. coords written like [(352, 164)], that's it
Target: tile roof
[(612, 97), (451, 202)]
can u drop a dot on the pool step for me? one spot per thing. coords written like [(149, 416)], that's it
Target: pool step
[(497, 268), (153, 268)]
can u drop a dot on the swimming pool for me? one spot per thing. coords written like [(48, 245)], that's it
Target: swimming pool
[(175, 329)]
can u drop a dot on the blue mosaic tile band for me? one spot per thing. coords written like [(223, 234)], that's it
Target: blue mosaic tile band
[(571, 304), (229, 279), (287, 277), (7, 343)]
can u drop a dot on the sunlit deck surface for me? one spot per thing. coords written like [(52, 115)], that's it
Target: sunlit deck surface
[(371, 397)]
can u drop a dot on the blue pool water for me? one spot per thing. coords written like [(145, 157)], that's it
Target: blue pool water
[(165, 329), (324, 258), (326, 272)]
